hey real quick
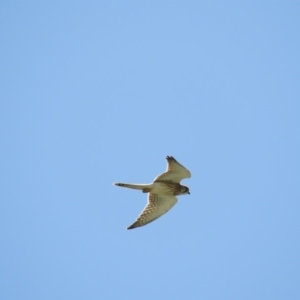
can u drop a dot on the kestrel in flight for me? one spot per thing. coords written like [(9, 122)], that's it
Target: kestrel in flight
[(161, 193)]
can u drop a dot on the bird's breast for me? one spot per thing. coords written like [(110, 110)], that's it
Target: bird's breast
[(165, 188)]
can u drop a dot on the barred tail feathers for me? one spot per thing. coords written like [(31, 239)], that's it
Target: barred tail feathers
[(144, 187)]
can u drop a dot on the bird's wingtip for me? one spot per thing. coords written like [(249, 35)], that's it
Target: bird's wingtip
[(132, 226), (170, 157)]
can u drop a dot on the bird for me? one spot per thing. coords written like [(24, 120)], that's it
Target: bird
[(162, 192)]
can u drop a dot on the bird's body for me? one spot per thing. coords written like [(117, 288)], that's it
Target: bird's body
[(161, 187), (162, 192)]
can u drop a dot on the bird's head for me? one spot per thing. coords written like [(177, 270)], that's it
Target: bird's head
[(184, 190)]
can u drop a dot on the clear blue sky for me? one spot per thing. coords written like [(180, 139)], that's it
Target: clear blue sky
[(98, 92)]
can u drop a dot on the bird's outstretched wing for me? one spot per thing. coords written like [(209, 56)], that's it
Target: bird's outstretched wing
[(175, 171), (157, 205)]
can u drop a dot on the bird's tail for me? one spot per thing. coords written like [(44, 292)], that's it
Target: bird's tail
[(144, 187)]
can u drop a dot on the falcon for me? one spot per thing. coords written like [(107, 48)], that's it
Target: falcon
[(162, 192)]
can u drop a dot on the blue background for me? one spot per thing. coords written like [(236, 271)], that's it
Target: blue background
[(98, 92)]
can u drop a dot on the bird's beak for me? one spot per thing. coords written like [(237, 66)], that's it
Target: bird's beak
[(189, 193)]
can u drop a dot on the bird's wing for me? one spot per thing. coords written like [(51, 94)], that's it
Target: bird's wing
[(157, 205), (175, 171)]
